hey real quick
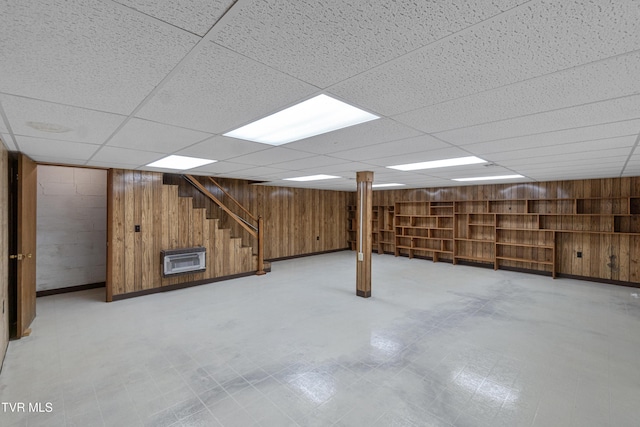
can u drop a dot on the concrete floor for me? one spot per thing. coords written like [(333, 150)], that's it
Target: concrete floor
[(436, 345)]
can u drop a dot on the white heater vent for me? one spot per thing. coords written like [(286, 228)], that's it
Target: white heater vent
[(189, 260)]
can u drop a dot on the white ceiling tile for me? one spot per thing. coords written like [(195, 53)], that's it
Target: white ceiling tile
[(263, 172), (196, 16), (547, 88), (538, 38), (271, 155), (575, 86), (341, 169), (8, 141), (633, 167), (107, 165), (564, 162), (316, 161), (40, 147), (220, 90), (571, 151), (86, 53), (409, 145), (325, 42), (151, 136), (58, 160), (422, 156), (124, 156), (3, 128), (362, 135), (222, 148), (567, 176), (469, 171), (615, 110), (83, 125), (220, 168), (588, 133)]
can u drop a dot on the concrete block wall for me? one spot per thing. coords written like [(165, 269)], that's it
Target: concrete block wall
[(72, 227)]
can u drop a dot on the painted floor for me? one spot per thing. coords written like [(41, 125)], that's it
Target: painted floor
[(436, 345)]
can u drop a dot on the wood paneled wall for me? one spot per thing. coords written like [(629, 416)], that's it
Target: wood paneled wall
[(297, 221), (611, 257), (4, 255), (606, 187), (166, 221)]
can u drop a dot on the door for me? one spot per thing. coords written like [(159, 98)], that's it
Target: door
[(22, 252)]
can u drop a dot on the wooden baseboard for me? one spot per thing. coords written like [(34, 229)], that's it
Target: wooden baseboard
[(598, 280), (183, 285), (68, 289), (284, 258)]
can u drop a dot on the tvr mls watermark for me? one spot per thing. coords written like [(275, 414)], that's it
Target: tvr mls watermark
[(27, 407)]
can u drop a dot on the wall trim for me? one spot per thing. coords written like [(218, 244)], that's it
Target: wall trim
[(68, 289), (598, 280), (284, 258), (183, 285)]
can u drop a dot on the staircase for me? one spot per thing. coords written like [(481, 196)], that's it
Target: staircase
[(226, 254), (237, 256)]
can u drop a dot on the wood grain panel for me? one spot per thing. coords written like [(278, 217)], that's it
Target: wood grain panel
[(4, 255), (169, 221), (27, 203), (601, 218)]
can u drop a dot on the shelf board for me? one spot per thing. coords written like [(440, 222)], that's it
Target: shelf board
[(425, 237), (475, 224), (474, 240), (440, 251), (524, 245), (530, 261), (517, 213), (474, 258), (617, 233), (524, 229)]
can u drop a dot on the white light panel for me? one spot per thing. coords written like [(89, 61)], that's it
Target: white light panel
[(459, 161), (318, 115), (180, 162), (489, 178), (386, 185), (311, 178)]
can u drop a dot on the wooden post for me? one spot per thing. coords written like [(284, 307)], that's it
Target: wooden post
[(260, 247), (363, 234)]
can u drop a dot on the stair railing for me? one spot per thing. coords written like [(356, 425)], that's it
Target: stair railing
[(256, 231)]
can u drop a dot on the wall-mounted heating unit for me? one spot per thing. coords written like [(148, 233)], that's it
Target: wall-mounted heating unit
[(189, 260)]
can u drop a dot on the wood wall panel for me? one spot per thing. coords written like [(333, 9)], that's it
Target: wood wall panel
[(297, 221), (172, 215), (4, 255), (613, 255)]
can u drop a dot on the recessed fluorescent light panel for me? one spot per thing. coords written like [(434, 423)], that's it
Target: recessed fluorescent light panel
[(489, 178), (459, 161), (386, 185), (311, 178), (180, 162), (315, 116)]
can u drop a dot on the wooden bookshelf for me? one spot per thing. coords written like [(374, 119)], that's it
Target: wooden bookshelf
[(382, 235), (519, 233), (424, 229)]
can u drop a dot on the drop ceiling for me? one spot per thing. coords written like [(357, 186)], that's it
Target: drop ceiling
[(545, 89)]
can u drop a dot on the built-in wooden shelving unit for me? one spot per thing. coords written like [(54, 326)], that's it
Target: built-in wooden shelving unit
[(424, 228), (382, 235), (510, 233)]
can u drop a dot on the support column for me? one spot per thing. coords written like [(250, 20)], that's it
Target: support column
[(363, 234)]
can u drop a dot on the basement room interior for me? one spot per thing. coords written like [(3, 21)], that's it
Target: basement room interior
[(266, 213)]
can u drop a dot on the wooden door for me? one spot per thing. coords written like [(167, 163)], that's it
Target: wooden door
[(25, 255)]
